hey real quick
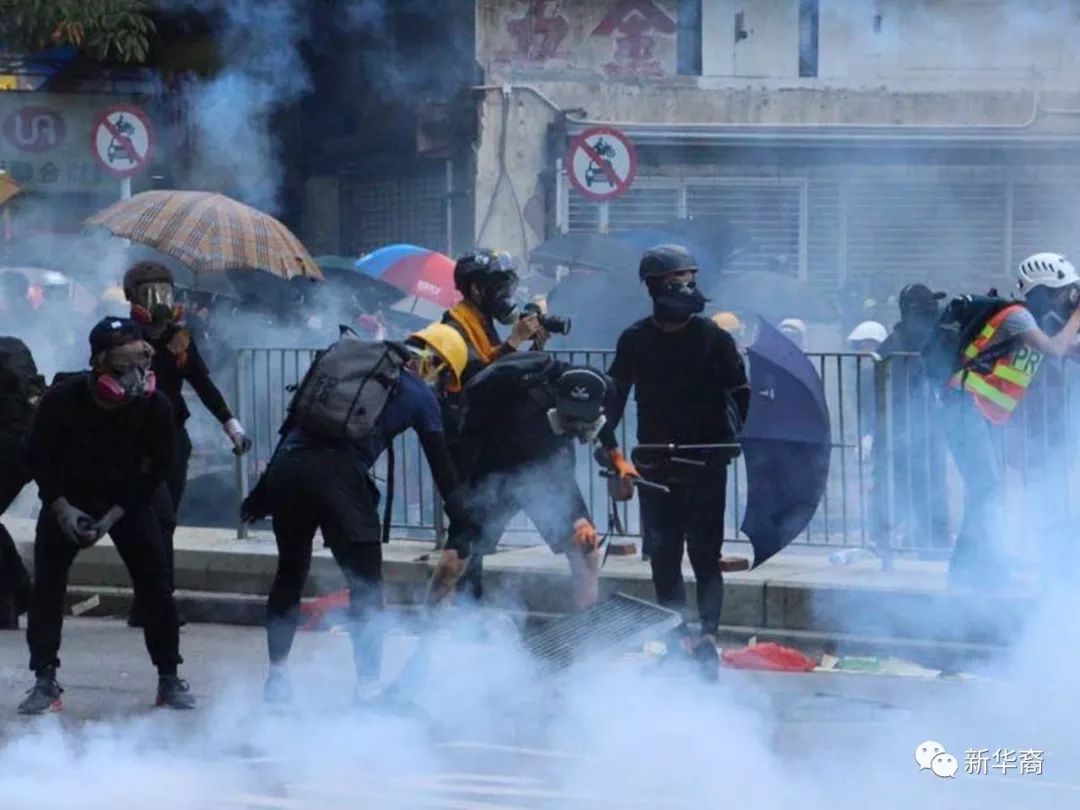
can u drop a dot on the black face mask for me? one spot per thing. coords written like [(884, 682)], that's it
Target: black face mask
[(676, 301)]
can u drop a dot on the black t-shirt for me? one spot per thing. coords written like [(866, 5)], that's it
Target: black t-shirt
[(681, 381), (97, 458), (171, 374)]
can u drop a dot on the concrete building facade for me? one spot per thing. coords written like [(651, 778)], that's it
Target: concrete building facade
[(860, 144)]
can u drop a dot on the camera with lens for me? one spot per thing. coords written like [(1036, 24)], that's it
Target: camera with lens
[(554, 324)]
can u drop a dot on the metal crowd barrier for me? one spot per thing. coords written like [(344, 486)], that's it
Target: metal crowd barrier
[(263, 376)]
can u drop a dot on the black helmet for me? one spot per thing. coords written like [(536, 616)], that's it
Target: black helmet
[(663, 260), (145, 273), (483, 265)]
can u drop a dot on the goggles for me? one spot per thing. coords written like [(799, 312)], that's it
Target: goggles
[(430, 366), (155, 294)]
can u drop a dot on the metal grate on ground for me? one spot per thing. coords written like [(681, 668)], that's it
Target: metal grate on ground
[(605, 629)]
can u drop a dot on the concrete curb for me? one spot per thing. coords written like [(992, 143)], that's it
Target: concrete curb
[(226, 580)]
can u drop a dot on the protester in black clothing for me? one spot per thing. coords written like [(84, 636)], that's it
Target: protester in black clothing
[(100, 450), (917, 440), (315, 482), (691, 389), (149, 288), (21, 388), (522, 417)]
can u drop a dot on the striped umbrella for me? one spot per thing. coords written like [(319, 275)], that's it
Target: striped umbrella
[(414, 270), (210, 233)]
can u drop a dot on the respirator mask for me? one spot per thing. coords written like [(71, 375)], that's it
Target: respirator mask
[(675, 301), (584, 430), (431, 368), (124, 374), (497, 299), (154, 305)]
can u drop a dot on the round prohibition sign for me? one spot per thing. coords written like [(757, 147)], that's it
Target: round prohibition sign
[(602, 163), (122, 140)]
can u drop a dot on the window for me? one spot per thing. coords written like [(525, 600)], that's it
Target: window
[(689, 38)]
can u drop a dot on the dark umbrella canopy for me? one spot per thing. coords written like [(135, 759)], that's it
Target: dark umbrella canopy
[(774, 296), (593, 251), (786, 443), (342, 275)]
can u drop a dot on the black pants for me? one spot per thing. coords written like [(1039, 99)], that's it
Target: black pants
[(325, 489), (167, 510), (14, 580), (691, 515), (138, 541), (547, 493)]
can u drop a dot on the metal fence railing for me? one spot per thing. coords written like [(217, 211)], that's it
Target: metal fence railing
[(891, 485)]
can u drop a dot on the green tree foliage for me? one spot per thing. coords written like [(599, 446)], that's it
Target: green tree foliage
[(104, 29)]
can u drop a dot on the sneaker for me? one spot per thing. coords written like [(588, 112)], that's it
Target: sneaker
[(44, 696), (278, 689), (174, 693)]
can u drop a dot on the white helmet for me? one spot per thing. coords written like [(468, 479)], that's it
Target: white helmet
[(1045, 270), (868, 330)]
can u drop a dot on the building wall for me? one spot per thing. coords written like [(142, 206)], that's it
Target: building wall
[(985, 65)]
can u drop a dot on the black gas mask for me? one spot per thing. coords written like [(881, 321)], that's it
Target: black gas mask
[(497, 298), (675, 301)]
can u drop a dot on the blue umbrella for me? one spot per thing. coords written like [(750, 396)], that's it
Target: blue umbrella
[(786, 443)]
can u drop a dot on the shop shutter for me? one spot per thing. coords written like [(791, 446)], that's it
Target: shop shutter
[(766, 214), (643, 207), (1044, 218), (948, 232)]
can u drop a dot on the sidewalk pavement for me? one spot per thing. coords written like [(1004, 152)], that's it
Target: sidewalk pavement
[(799, 592)]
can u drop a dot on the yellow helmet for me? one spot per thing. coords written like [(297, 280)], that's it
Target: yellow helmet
[(446, 342), (728, 321)]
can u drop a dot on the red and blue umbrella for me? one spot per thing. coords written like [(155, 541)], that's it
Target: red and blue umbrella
[(415, 271)]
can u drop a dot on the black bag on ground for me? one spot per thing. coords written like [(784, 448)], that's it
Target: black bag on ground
[(960, 323), (344, 392), (20, 387)]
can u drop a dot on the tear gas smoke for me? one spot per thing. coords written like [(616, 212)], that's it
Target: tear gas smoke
[(232, 113)]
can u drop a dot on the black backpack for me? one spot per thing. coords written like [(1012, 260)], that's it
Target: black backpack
[(20, 386), (347, 386), (960, 323)]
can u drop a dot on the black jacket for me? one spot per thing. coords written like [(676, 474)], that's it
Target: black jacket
[(173, 367), (505, 423), (97, 458)]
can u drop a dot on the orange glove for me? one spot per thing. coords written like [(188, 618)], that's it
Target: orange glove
[(623, 467), (585, 536)]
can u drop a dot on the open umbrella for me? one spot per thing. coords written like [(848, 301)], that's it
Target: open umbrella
[(415, 271), (210, 233), (774, 296), (587, 250), (342, 273), (786, 443)]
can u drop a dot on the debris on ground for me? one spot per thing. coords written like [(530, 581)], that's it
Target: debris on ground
[(870, 665), (768, 656)]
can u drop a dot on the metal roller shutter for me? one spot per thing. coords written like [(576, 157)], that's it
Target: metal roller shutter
[(950, 233), (643, 207), (1044, 218), (768, 213)]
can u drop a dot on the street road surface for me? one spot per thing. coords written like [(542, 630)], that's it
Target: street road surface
[(477, 735)]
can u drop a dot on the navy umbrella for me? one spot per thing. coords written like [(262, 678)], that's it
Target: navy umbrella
[(786, 443)]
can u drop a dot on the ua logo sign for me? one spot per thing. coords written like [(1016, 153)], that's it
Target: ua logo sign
[(34, 129)]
